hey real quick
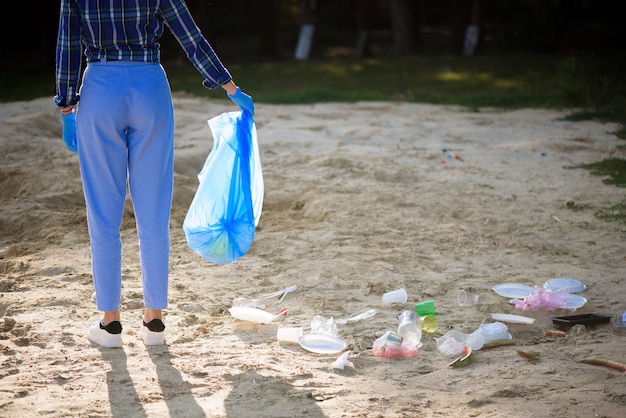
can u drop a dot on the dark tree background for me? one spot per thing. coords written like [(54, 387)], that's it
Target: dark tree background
[(261, 30)]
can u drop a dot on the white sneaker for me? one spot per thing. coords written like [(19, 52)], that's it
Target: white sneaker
[(152, 332), (107, 336)]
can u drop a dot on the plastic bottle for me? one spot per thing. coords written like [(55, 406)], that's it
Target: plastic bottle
[(410, 328)]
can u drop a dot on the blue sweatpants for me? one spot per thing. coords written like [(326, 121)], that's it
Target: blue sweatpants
[(125, 132)]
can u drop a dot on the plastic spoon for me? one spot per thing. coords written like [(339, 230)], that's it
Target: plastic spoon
[(282, 293), (258, 302), (364, 315), (287, 290)]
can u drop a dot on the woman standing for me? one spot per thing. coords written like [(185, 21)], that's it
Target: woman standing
[(123, 132)]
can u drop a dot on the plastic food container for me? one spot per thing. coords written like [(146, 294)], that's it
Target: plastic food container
[(586, 319)]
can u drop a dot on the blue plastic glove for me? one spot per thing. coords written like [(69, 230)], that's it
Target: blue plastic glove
[(69, 131), (242, 100)]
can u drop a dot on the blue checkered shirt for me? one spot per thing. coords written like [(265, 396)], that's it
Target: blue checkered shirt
[(126, 30)]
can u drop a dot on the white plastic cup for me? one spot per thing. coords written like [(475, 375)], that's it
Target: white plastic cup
[(289, 334), (465, 298), (396, 296)]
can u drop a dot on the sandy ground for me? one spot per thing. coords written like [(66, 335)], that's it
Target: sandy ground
[(359, 200)]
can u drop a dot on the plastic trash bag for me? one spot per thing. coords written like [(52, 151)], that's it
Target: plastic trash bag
[(391, 345), (226, 208)]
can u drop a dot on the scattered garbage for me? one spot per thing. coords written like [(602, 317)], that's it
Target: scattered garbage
[(450, 156), (321, 335), (557, 293)]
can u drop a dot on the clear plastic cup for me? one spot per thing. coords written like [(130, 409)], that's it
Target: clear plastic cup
[(619, 319), (465, 298)]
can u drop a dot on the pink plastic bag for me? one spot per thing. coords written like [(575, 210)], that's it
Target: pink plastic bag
[(391, 345), (541, 298)]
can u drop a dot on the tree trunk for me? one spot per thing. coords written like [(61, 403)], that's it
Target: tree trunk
[(472, 32), (307, 29), (365, 18), (405, 34)]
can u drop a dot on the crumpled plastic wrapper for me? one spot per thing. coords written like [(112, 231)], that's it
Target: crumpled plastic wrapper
[(541, 298), (342, 361)]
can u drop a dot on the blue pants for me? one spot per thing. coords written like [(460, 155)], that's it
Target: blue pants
[(125, 132)]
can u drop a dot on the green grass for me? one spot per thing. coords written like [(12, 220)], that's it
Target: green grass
[(475, 82), (612, 169), (509, 81), (615, 213), (614, 172)]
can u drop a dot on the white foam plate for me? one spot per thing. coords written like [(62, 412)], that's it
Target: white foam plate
[(513, 290), (251, 314), (516, 319), (573, 301), (558, 283), (322, 344)]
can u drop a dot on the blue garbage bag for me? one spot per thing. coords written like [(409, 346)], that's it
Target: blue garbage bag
[(226, 208)]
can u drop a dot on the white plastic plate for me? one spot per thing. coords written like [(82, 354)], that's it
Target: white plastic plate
[(572, 286), (251, 314), (322, 344), (513, 290), (516, 319), (573, 301)]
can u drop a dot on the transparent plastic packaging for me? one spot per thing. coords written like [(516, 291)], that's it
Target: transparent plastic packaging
[(494, 331), (619, 320), (324, 326), (391, 345), (453, 341), (409, 327)]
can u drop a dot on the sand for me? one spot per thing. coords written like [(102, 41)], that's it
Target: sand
[(360, 200)]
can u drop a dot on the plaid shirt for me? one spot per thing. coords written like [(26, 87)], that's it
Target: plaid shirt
[(128, 31)]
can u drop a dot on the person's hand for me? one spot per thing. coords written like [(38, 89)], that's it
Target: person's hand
[(69, 130), (242, 100)]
